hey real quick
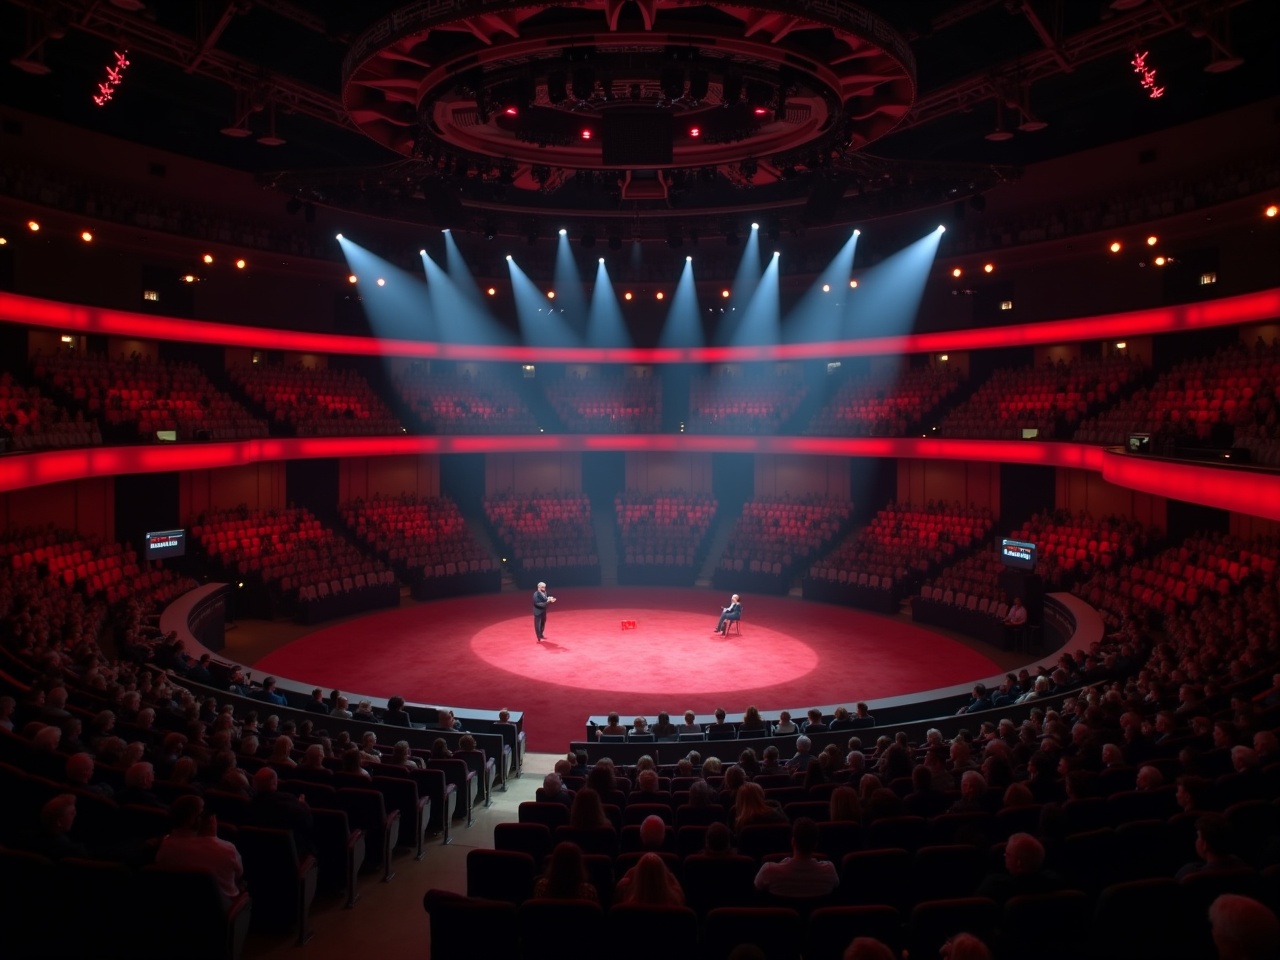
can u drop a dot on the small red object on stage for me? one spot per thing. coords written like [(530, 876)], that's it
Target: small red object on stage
[(628, 624)]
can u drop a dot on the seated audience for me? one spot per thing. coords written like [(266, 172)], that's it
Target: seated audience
[(565, 877), (800, 875)]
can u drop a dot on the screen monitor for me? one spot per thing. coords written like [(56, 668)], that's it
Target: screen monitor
[(1030, 433), (1018, 553), (1139, 443), (165, 543)]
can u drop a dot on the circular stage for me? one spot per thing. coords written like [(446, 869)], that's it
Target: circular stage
[(481, 652)]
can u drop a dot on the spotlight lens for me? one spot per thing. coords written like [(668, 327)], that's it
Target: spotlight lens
[(382, 282), (207, 258), (659, 295), (857, 233), (755, 226), (422, 252), (352, 278), (493, 292), (988, 267), (1159, 261), (1272, 210), (33, 225), (688, 259), (957, 272), (338, 236), (942, 228), (189, 279), (508, 256), (826, 288), (1152, 240), (239, 264), (3, 241), (86, 236), (695, 132), (725, 294), (1115, 246), (853, 284), (551, 294), (563, 232), (627, 295), (601, 260)]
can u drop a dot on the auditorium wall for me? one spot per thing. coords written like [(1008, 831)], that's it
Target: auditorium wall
[(86, 506), (970, 482), (526, 473), (259, 486), (1083, 490), (778, 476), (660, 470), (363, 477), (1246, 527)]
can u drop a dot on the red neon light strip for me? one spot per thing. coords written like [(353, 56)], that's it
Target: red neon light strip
[(73, 318), (1243, 491)]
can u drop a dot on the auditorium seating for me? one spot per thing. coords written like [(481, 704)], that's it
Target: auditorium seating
[(874, 566), (31, 421), (1050, 399), (774, 537), (141, 395), (426, 540), (885, 404), (1215, 401), (474, 399), (297, 565), (662, 536), (546, 536), (607, 401), (316, 402), (752, 399)]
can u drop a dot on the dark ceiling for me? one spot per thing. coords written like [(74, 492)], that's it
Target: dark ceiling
[(198, 65)]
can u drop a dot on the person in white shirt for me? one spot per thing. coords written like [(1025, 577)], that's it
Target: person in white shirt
[(193, 844), (1015, 624), (800, 875)]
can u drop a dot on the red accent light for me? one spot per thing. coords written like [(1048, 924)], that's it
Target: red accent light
[(586, 134), (82, 319), (511, 111), (115, 76), (695, 132), (760, 111)]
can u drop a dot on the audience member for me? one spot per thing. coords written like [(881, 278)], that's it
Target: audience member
[(565, 877), (193, 844), (799, 876)]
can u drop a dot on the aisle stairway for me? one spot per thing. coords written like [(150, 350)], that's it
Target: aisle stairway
[(602, 519), (720, 532)]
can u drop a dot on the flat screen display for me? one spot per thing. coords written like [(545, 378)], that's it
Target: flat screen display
[(1018, 553), (165, 543), (1139, 443)]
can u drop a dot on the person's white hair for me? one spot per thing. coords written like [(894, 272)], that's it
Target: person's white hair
[(803, 743), (552, 783)]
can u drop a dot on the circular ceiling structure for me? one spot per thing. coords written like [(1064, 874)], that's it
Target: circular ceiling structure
[(528, 95)]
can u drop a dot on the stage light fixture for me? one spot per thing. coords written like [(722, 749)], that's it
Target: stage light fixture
[(1115, 246), (492, 291), (86, 236), (957, 272), (189, 278), (601, 260), (382, 282), (942, 228), (586, 133), (659, 295), (508, 257), (760, 111), (337, 236), (777, 253), (944, 357), (695, 132), (1121, 344), (1160, 261), (688, 259), (33, 226), (240, 264), (551, 294), (826, 288), (3, 241), (988, 268), (627, 295), (755, 226), (1152, 240), (352, 278), (853, 284), (422, 252), (207, 258), (857, 232), (564, 232), (724, 294), (1272, 210)]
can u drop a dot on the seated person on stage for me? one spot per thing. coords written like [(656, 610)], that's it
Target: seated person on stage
[(800, 875), (732, 612)]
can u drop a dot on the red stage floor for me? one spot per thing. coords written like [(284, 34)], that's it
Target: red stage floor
[(480, 652)]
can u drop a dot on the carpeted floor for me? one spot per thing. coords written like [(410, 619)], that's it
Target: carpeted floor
[(481, 652)]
